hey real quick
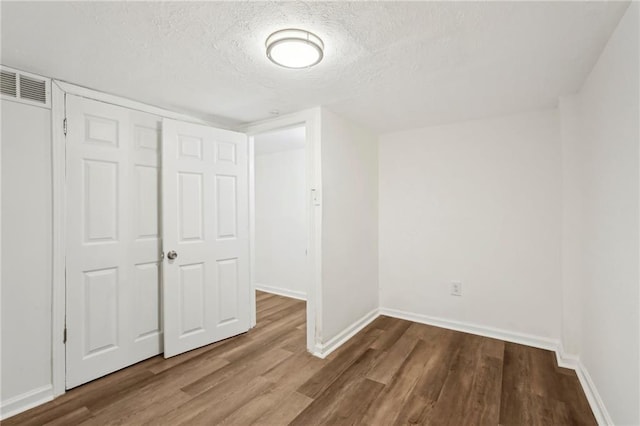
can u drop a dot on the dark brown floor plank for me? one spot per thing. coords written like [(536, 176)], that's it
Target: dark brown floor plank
[(285, 376), (235, 372), (386, 408), (350, 391), (72, 418), (337, 366), (159, 395), (471, 393), (287, 410), (391, 372), (263, 295), (391, 335), (226, 399), (387, 366), (442, 352), (534, 392)]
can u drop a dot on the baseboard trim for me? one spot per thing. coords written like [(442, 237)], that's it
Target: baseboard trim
[(563, 359), (573, 362), (25, 401), (593, 396), (44, 394), (281, 291), (323, 350), (466, 327)]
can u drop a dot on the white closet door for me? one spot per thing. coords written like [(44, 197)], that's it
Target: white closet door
[(113, 239), (205, 222)]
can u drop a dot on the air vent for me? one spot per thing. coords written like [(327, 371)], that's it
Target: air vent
[(33, 90), (8, 83), (25, 87)]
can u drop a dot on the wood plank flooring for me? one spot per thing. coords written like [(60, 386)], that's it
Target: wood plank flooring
[(392, 372)]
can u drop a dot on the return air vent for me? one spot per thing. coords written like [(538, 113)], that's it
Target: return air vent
[(32, 89), (25, 87), (8, 83)]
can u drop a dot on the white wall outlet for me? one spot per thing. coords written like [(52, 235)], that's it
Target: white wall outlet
[(456, 288)]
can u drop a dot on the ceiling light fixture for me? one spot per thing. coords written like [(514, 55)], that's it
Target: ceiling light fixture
[(293, 48)]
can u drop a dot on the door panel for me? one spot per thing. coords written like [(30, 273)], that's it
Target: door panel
[(205, 221), (147, 280), (113, 239)]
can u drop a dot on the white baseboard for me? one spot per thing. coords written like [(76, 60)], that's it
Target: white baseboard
[(25, 401), (595, 401), (466, 327), (44, 394), (323, 350), (564, 360), (300, 295)]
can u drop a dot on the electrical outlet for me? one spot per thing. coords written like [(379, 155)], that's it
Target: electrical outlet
[(456, 288)]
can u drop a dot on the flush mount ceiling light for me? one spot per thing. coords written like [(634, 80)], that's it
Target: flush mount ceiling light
[(293, 48)]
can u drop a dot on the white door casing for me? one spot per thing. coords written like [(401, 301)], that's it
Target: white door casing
[(205, 221), (311, 119), (113, 239)]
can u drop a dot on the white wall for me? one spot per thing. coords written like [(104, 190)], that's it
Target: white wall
[(572, 227), (602, 139), (280, 221), (349, 224), (476, 202), (26, 255)]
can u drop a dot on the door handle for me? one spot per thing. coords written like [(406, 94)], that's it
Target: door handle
[(172, 255)]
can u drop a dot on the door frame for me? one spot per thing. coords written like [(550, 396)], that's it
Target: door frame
[(59, 91), (311, 120)]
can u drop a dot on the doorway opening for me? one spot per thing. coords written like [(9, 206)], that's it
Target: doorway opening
[(117, 184), (281, 237)]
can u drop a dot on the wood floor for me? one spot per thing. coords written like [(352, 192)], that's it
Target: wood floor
[(392, 372)]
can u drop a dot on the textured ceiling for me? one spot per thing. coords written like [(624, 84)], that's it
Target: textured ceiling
[(387, 65)]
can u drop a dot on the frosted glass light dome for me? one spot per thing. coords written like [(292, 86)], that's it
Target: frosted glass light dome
[(293, 48)]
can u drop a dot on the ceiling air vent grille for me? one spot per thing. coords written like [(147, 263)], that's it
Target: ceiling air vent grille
[(33, 89), (25, 87), (8, 83)]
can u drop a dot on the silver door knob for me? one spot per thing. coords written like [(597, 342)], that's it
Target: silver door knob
[(172, 255)]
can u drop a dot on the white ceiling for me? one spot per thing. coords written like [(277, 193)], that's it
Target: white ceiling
[(280, 140), (387, 65)]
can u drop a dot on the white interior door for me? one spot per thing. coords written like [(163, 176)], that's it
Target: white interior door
[(205, 223), (113, 239)]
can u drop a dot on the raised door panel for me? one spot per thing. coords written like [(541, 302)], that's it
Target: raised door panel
[(145, 244), (226, 152), (101, 311), (146, 138), (192, 283), (100, 201), (113, 237), (147, 282), (189, 147), (228, 291), (231, 243), (205, 199), (146, 202), (102, 130), (190, 207), (226, 207), (96, 223)]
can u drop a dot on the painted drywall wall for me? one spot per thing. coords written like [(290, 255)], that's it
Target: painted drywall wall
[(281, 221), (604, 141), (349, 224), (26, 254), (478, 203), (572, 226)]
